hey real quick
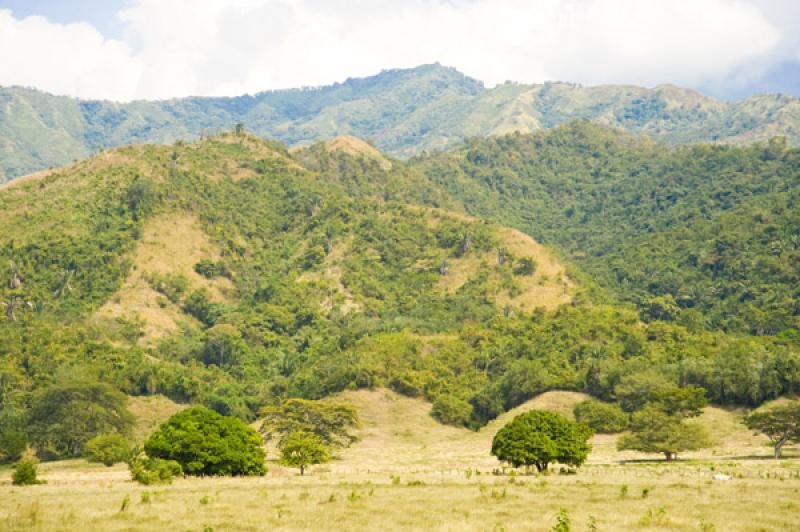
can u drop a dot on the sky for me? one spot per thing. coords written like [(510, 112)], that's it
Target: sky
[(157, 49)]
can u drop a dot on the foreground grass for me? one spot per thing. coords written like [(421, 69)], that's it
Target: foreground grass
[(762, 495), (409, 472)]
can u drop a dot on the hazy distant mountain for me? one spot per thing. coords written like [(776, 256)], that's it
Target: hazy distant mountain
[(402, 111)]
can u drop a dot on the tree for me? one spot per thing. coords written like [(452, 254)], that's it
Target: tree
[(781, 424), (655, 431), (302, 449), (64, 416), (109, 449), (12, 444), (538, 438), (223, 345), (204, 442), (13, 305), (684, 402), (601, 417), (330, 422)]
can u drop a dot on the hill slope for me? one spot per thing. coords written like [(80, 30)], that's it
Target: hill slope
[(234, 273), (703, 234), (403, 111)]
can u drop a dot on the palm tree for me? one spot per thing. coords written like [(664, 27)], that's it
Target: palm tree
[(14, 283), (64, 286), (13, 305)]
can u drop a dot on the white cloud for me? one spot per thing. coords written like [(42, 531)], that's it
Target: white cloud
[(214, 47), (71, 59)]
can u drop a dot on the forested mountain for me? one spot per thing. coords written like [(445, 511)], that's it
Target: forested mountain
[(704, 234), (403, 111), (235, 273)]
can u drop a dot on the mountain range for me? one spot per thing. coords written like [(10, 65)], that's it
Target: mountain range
[(403, 112)]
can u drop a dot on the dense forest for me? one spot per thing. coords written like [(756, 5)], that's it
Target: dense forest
[(704, 235), (323, 272)]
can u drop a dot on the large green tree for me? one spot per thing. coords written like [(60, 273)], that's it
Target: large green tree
[(204, 442), (655, 431), (65, 415), (539, 438), (331, 422), (781, 424)]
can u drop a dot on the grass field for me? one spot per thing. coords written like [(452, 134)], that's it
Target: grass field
[(409, 472)]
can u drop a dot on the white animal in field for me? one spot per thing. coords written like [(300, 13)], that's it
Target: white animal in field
[(720, 476)]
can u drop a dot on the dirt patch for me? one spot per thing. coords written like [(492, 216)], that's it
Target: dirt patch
[(170, 244)]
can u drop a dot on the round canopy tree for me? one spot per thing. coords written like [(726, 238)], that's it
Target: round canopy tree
[(204, 442), (539, 438)]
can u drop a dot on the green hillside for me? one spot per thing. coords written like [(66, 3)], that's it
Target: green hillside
[(234, 273), (403, 111), (702, 235)]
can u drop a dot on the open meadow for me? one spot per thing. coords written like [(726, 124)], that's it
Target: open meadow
[(410, 472)]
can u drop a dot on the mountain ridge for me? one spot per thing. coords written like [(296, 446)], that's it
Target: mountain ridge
[(403, 111)]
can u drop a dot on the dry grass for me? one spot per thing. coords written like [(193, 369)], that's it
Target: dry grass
[(356, 147), (150, 412), (170, 244), (548, 287), (410, 473)]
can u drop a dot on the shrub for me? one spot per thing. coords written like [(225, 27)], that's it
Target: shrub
[(204, 442), (149, 471), (451, 410), (538, 438), (210, 269), (25, 473), (525, 266), (109, 449), (601, 417)]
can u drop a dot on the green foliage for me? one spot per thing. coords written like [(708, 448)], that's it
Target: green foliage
[(210, 269), (405, 111), (12, 444), (781, 424), (204, 442), (655, 431), (451, 410), (109, 449), (539, 438), (605, 418), (654, 224), (302, 449), (331, 422), (25, 473), (149, 471), (66, 415)]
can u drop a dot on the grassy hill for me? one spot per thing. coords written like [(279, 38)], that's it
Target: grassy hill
[(234, 273), (404, 112)]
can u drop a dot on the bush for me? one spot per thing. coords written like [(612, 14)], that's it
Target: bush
[(451, 410), (109, 449), (601, 417), (149, 471), (525, 266), (538, 438), (204, 442), (12, 444), (210, 269), (25, 473)]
